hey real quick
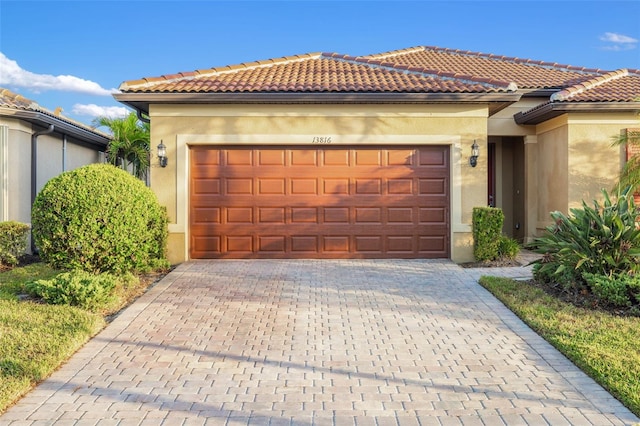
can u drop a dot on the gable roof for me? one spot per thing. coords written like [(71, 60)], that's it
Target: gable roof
[(417, 74), (317, 72), (17, 106)]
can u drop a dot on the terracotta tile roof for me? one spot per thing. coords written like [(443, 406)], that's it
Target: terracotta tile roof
[(526, 73), (319, 72), (617, 86), (415, 70), (14, 101)]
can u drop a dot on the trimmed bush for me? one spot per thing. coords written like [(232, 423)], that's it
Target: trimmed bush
[(13, 242), (488, 242), (99, 218)]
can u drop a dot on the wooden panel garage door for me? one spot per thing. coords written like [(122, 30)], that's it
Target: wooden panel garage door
[(342, 202)]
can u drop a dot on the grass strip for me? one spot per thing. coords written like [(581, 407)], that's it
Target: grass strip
[(604, 346), (34, 340)]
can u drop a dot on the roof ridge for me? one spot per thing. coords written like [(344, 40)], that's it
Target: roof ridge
[(586, 85), (492, 56), (422, 71), (204, 72)]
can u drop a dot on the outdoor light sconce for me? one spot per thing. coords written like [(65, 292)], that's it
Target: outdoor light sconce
[(162, 154), (475, 152)]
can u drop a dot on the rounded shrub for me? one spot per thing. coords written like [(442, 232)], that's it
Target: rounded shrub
[(99, 218)]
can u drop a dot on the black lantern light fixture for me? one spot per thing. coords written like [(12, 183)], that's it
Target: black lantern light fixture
[(162, 154), (475, 152)]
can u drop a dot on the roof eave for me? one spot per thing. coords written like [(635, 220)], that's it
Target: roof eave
[(141, 101), (61, 126), (554, 109)]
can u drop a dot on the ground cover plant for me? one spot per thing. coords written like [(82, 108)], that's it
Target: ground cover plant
[(604, 345)]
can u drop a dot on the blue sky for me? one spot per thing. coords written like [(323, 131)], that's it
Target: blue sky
[(73, 54)]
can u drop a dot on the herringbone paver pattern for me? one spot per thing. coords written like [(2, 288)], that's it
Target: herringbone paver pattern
[(344, 342)]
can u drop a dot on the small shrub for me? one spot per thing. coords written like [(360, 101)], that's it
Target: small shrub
[(487, 232), (78, 288), (508, 248), (601, 240), (13, 242), (99, 218), (621, 290)]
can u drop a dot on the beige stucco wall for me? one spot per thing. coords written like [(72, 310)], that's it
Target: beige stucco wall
[(576, 160), (180, 126)]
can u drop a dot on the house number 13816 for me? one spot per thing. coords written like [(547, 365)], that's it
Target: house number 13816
[(321, 139)]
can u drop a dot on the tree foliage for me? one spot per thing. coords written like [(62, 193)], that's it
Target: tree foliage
[(129, 148)]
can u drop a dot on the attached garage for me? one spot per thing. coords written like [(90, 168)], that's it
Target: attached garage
[(319, 202), (320, 156)]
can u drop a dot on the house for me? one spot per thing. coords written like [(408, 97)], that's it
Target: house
[(326, 155), (36, 145)]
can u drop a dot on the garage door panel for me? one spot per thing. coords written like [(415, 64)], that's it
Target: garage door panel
[(368, 215), (271, 186), (237, 215), (432, 186), (401, 157), (368, 186), (271, 244), (336, 244), (271, 157), (206, 215), (336, 157), (304, 215), (272, 215), (305, 244), (336, 215), (335, 186), (239, 186), (239, 157), (369, 244), (400, 186), (304, 157), (304, 186), (326, 202)]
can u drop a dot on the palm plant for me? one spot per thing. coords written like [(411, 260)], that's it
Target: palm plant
[(129, 148)]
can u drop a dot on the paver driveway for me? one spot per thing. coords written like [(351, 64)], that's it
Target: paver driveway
[(319, 342)]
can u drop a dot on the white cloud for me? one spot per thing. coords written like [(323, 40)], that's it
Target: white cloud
[(12, 74), (617, 38), (618, 42), (93, 110)]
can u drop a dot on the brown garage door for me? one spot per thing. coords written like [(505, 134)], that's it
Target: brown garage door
[(282, 202)]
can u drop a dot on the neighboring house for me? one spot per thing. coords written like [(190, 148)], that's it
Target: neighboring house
[(326, 155), (35, 146)]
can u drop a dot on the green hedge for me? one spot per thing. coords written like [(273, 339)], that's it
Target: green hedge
[(488, 242)]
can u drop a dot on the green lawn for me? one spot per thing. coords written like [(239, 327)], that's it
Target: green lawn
[(605, 346), (36, 338)]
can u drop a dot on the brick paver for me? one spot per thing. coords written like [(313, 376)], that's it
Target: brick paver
[(323, 342)]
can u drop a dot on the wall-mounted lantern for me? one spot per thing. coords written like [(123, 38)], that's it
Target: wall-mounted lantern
[(475, 152), (162, 154)]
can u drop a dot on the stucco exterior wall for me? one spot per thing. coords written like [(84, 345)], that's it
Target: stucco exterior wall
[(553, 177), (576, 160), (594, 164), (180, 126), (17, 187)]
